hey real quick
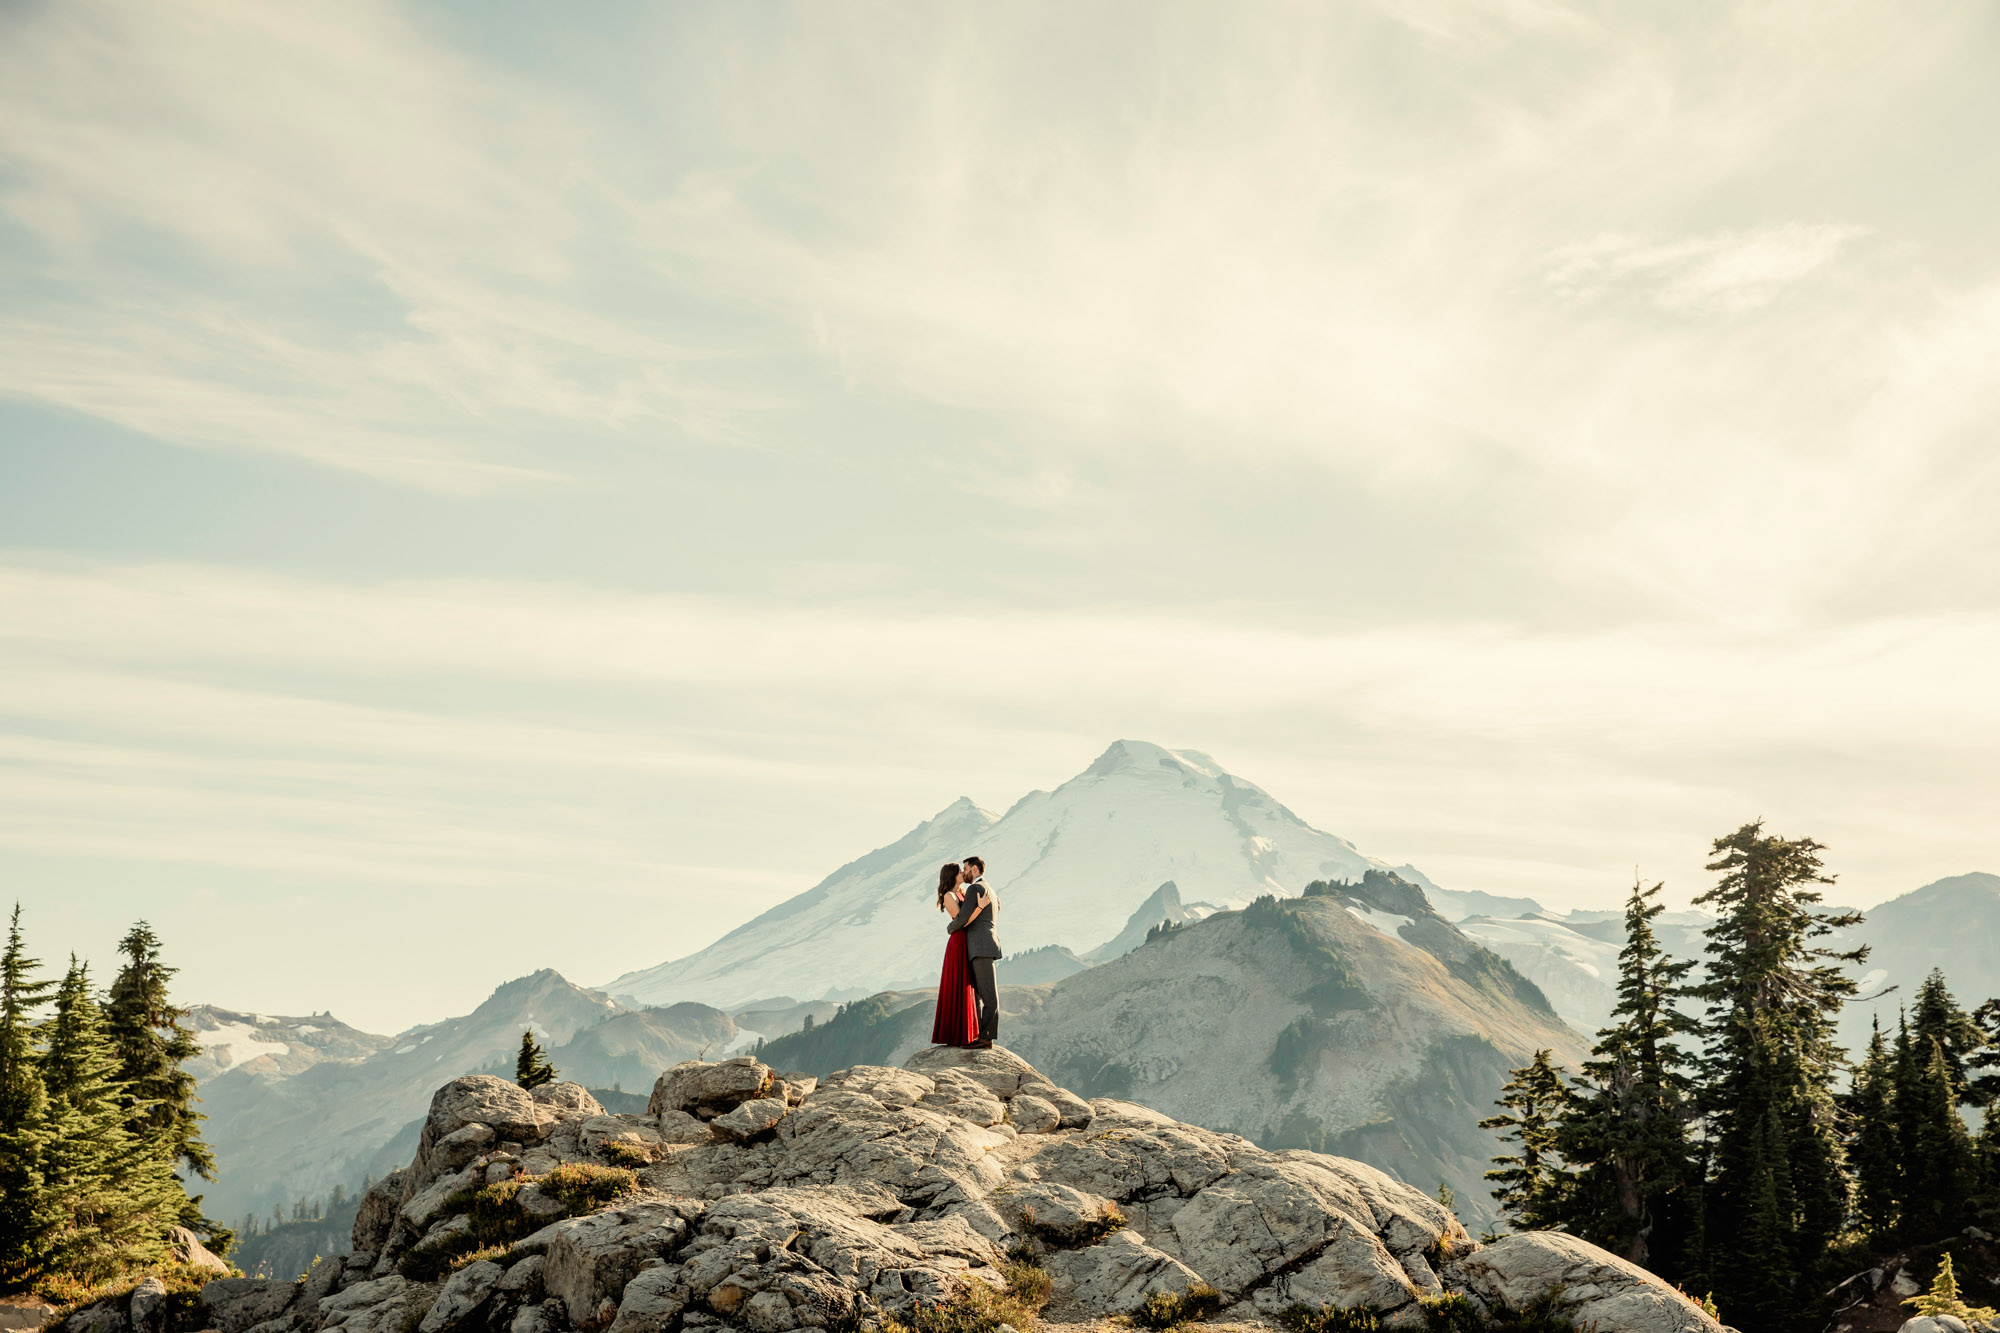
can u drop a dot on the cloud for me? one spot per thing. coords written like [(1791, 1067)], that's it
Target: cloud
[(1723, 273), (469, 731), (324, 236)]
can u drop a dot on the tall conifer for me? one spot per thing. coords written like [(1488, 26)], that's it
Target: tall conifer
[(1936, 1017), (23, 1111), (110, 1201), (151, 1043), (1938, 1175), (1626, 1129), (1532, 1185), (1779, 1191), (1873, 1153)]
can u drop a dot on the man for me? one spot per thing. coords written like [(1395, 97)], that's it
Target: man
[(975, 918)]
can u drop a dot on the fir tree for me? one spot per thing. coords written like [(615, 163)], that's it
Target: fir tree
[(1773, 993), (1874, 1155), (1943, 1298), (1936, 1017), (531, 1068), (1532, 1186), (23, 1111), (1938, 1174), (110, 1201), (152, 1044), (1626, 1132), (1986, 1148)]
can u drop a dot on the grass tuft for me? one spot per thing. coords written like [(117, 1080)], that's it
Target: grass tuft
[(498, 1220), (1443, 1312), (978, 1308), (625, 1154), (183, 1281), (1165, 1309)]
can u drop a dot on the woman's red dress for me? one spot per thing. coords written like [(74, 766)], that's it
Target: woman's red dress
[(957, 1021)]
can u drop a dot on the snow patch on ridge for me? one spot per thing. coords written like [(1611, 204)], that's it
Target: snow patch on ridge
[(232, 1044), (1387, 922)]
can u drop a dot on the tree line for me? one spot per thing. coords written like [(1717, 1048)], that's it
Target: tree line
[(1708, 1138), (98, 1131)]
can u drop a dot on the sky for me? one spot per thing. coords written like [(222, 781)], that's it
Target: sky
[(491, 486)]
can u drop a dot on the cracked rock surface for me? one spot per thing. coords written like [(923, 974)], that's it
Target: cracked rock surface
[(772, 1203)]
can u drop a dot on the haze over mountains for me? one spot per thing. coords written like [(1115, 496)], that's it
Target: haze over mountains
[(1071, 867), (1214, 1023), (1353, 1020)]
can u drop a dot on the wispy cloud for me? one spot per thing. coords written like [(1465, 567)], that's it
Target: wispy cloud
[(327, 721), (1724, 273), (320, 236)]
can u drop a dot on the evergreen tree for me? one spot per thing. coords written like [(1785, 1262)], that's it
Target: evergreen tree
[(531, 1068), (1936, 1017), (23, 1111), (1626, 1131), (1532, 1186), (1943, 1298), (1938, 1174), (152, 1044), (1905, 1089), (110, 1201), (1986, 1148), (1773, 992), (1873, 1154)]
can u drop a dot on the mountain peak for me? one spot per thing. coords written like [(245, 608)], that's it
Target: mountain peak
[(1124, 756)]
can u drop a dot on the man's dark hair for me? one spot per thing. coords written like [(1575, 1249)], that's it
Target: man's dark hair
[(979, 861)]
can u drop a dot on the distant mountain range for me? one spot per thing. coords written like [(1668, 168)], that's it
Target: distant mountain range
[(1354, 1020), (1952, 924), (1234, 1020), (296, 1106)]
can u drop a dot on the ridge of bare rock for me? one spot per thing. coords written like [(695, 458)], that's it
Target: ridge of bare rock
[(872, 1191)]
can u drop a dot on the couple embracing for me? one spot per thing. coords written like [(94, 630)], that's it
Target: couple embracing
[(968, 1003)]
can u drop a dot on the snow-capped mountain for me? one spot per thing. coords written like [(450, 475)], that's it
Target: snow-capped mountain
[(1070, 867)]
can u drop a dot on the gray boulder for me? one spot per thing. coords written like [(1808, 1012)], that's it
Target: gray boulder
[(567, 1098), (1116, 1275), (1608, 1291), (239, 1303), (590, 1262), (481, 1099), (1063, 1216), (463, 1294), (147, 1309), (1034, 1115), (760, 1115), (188, 1249), (377, 1213), (706, 1089), (1934, 1323)]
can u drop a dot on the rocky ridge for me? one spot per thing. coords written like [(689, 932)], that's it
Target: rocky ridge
[(752, 1199)]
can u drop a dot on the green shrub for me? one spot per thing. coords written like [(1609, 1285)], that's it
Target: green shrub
[(584, 1187), (1444, 1312), (183, 1282), (1164, 1309), (498, 1220), (1329, 1319), (625, 1154)]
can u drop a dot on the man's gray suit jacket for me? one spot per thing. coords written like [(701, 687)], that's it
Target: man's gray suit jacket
[(979, 940)]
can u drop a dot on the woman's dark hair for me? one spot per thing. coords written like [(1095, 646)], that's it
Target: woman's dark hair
[(947, 881)]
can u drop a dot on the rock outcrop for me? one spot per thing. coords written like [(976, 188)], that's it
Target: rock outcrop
[(768, 1203)]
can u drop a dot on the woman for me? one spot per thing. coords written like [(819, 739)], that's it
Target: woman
[(957, 1021)]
